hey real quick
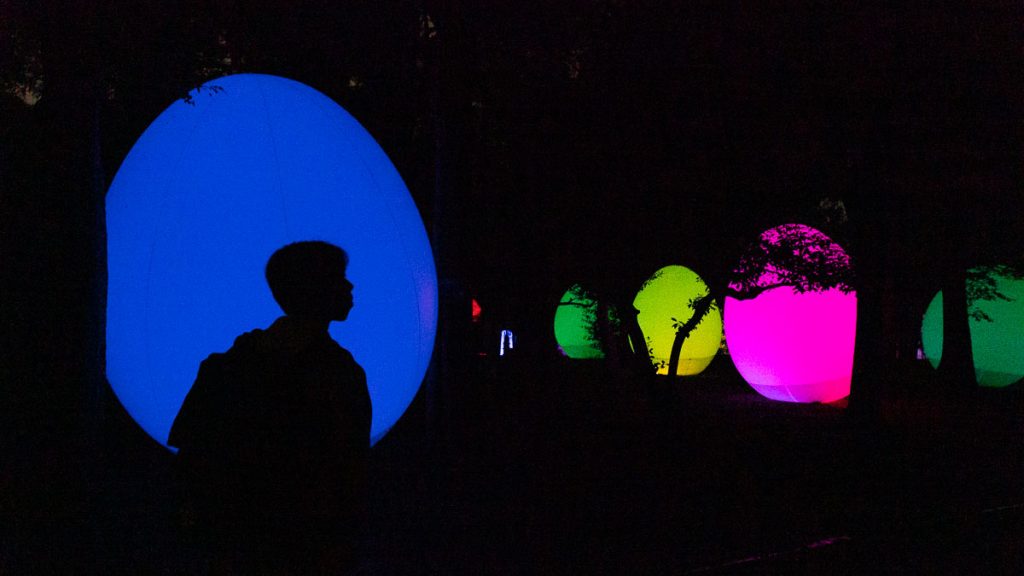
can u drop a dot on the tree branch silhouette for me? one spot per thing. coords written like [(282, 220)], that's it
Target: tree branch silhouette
[(701, 306), (982, 286), (792, 255)]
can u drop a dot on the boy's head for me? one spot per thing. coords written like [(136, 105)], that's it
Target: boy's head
[(307, 279)]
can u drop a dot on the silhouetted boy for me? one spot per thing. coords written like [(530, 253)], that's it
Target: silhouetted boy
[(273, 437)]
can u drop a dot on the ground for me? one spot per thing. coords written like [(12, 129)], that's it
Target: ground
[(527, 467)]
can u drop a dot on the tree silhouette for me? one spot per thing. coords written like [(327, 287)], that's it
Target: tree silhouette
[(600, 321), (987, 289), (982, 286), (660, 299), (700, 305), (792, 255)]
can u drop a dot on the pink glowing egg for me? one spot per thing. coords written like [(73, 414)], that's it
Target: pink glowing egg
[(791, 320), (791, 346)]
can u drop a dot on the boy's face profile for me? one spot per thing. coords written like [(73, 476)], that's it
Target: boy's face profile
[(308, 280), (341, 297)]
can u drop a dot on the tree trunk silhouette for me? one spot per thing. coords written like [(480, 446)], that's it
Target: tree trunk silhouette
[(603, 331), (872, 359), (875, 222), (956, 368), (59, 236), (700, 309), (634, 343)]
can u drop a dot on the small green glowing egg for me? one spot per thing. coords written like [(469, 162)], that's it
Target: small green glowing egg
[(583, 325), (996, 310), (666, 305)]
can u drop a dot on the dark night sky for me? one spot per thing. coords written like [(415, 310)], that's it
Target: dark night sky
[(595, 141), (545, 143), (690, 130)]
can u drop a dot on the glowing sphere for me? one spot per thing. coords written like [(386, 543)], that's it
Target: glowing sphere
[(208, 193), (791, 325), (997, 332), (578, 324), (667, 302)]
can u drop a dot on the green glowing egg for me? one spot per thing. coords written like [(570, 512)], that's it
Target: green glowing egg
[(583, 325), (675, 302), (996, 308)]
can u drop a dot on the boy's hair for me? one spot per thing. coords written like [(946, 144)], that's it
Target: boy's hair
[(302, 273)]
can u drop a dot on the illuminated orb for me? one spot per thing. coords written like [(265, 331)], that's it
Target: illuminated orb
[(791, 320), (578, 324), (996, 325), (208, 193), (666, 303)]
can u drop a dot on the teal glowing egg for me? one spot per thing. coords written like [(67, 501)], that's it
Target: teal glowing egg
[(996, 319), (583, 325), (209, 192), (676, 305)]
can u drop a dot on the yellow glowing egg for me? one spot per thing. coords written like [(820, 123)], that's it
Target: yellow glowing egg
[(680, 320)]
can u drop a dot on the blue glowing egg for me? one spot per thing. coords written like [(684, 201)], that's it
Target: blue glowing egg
[(209, 192)]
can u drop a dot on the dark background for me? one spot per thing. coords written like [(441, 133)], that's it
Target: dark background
[(548, 143)]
